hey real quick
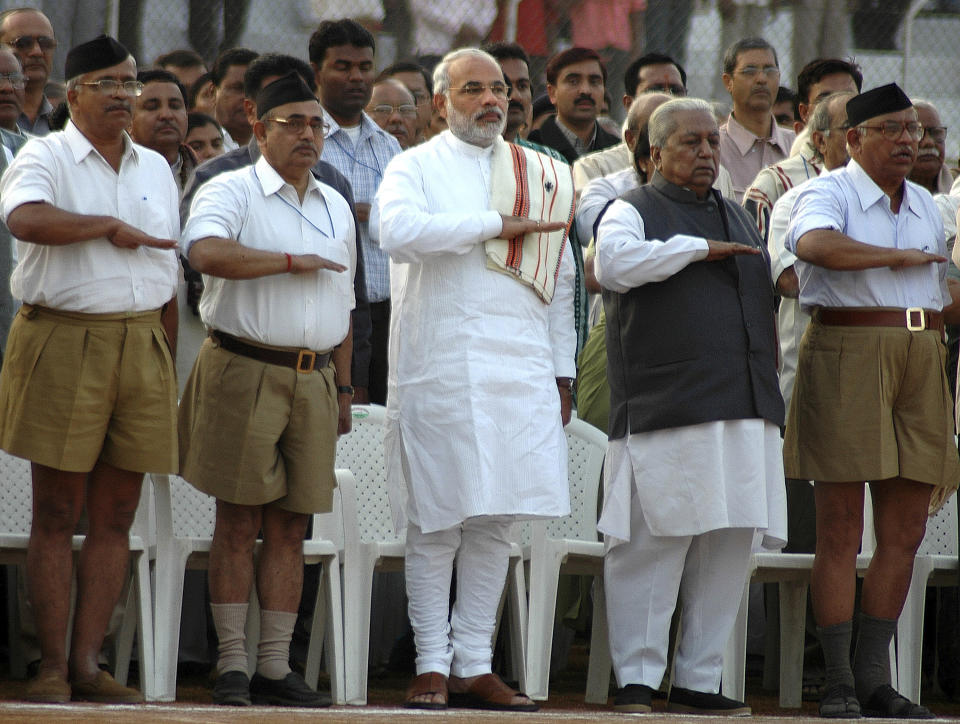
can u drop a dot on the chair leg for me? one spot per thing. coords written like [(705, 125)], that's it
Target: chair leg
[(326, 632), (600, 663), (515, 592), (145, 634), (18, 666), (123, 645), (793, 618), (544, 575), (169, 570), (357, 590), (909, 648), (735, 658)]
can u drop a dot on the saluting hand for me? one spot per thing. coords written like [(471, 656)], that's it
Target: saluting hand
[(130, 237), (915, 257), (519, 225), (723, 249), (304, 263)]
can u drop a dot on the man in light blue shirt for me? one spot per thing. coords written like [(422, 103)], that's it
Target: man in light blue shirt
[(342, 56)]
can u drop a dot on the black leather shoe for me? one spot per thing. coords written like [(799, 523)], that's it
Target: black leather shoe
[(291, 690), (687, 701), (839, 702), (886, 702), (232, 689), (633, 699)]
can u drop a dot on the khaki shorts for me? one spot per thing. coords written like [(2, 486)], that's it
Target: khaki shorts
[(253, 433), (79, 388), (871, 403)]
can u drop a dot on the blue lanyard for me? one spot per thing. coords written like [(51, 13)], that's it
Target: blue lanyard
[(357, 161), (326, 208)]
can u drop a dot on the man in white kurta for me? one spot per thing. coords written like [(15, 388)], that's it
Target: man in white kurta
[(479, 370), (693, 467)]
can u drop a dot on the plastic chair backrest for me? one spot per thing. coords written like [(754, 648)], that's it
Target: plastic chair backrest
[(586, 447), (16, 495), (193, 513), (361, 452), (941, 535)]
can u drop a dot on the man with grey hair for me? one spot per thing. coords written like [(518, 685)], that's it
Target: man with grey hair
[(693, 469), (930, 169), (29, 34), (480, 361), (751, 140)]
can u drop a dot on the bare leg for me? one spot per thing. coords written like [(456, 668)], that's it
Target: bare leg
[(280, 568), (839, 530), (112, 497), (57, 502), (900, 519), (231, 552)]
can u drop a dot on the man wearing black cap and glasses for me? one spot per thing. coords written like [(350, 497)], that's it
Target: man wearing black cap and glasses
[(871, 401), (278, 251), (88, 389)]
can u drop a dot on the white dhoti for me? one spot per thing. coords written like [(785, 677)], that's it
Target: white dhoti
[(458, 643), (642, 579), (681, 509)]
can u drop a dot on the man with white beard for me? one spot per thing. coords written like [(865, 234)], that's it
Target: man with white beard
[(481, 359)]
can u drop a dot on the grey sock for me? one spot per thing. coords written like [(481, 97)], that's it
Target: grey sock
[(273, 652), (835, 641), (871, 662)]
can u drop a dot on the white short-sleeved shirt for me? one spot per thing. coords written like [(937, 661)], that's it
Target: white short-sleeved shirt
[(847, 200), (256, 207), (65, 170)]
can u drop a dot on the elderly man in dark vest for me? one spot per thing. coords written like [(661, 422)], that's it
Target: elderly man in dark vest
[(694, 466)]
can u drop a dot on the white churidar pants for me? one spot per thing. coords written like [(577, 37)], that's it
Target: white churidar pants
[(642, 578), (458, 643)]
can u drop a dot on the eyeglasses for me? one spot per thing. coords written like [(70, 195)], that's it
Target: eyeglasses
[(843, 127), (671, 88), (16, 80), (298, 125), (26, 42), (407, 110), (475, 90), (892, 130), (937, 133), (751, 71), (109, 86)]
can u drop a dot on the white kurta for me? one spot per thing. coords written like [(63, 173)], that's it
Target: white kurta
[(692, 479), (473, 410)]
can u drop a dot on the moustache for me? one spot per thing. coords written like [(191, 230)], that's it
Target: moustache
[(306, 147), (119, 107), (928, 152), (514, 105), (587, 98), (492, 109)]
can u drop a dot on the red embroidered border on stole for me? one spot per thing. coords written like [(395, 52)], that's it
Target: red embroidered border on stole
[(521, 204)]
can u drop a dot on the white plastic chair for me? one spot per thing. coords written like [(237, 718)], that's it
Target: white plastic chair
[(16, 512), (935, 565), (371, 544), (569, 545), (791, 571), (185, 523)]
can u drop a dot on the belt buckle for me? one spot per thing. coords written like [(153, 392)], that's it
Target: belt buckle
[(310, 357), (923, 319)]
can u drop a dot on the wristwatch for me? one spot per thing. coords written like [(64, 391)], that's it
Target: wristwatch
[(565, 383), (345, 390)]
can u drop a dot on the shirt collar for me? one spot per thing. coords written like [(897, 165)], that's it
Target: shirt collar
[(744, 139), (869, 193), (368, 126), (81, 147), (271, 182), (573, 138)]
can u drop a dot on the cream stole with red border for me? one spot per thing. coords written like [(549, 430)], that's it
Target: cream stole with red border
[(535, 186)]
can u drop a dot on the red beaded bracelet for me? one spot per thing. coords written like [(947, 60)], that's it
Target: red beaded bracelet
[(289, 262)]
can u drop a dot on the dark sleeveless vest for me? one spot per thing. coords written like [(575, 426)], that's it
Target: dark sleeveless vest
[(701, 345)]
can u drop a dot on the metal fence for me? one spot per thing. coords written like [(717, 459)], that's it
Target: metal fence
[(911, 41)]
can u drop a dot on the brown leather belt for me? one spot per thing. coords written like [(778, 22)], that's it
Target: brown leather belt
[(915, 319), (305, 360)]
